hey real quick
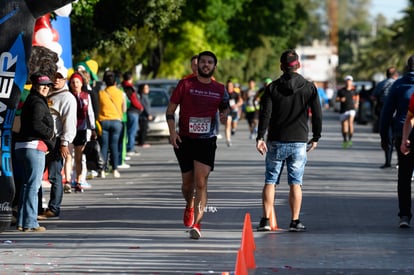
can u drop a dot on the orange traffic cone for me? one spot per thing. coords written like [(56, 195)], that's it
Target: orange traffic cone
[(241, 268), (247, 243), (273, 220), (248, 231)]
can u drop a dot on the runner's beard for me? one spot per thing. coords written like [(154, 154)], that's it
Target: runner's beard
[(206, 75)]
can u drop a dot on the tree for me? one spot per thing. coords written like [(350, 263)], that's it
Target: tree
[(391, 46), (202, 26), (354, 30), (121, 34), (247, 36), (263, 30)]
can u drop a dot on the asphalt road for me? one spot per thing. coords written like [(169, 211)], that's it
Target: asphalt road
[(133, 224)]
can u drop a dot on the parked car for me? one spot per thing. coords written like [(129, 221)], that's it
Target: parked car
[(159, 98), (168, 84)]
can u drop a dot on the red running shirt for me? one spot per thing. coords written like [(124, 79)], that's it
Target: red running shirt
[(199, 103)]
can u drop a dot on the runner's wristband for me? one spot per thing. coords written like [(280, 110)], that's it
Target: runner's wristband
[(170, 117)]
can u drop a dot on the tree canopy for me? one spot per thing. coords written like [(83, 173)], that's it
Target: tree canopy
[(247, 36)]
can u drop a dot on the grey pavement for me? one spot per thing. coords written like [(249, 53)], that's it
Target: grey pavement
[(133, 224)]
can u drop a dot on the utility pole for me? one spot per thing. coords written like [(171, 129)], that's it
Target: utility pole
[(332, 14)]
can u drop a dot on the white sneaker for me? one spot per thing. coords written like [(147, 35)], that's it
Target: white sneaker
[(67, 188), (116, 174), (85, 185), (91, 174), (102, 174), (124, 166), (132, 153)]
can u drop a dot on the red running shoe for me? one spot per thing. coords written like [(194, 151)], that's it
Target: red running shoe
[(188, 216), (195, 232)]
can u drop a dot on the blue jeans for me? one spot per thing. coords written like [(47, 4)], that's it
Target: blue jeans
[(132, 130), (111, 132), (54, 163), (293, 153), (122, 142), (32, 162)]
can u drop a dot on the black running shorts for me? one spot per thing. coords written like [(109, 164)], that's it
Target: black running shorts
[(196, 149), (80, 138)]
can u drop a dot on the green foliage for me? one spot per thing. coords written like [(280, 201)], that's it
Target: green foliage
[(262, 17), (263, 30), (177, 56), (247, 36), (354, 33), (120, 35), (134, 43), (391, 46), (111, 15), (354, 15), (84, 33), (316, 23)]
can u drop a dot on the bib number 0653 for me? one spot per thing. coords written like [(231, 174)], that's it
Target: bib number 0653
[(200, 125)]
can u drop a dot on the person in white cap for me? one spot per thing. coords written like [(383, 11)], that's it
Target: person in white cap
[(62, 106), (349, 101)]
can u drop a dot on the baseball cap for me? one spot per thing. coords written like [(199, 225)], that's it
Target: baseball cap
[(90, 66), (349, 77), (62, 71), (289, 59), (41, 79)]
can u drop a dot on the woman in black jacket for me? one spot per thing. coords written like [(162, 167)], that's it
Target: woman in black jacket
[(35, 139)]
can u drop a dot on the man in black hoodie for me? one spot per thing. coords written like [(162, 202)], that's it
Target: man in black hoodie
[(284, 113)]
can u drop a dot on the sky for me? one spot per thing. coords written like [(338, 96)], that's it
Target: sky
[(389, 8)]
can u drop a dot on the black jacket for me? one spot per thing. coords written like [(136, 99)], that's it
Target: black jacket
[(36, 120), (284, 110)]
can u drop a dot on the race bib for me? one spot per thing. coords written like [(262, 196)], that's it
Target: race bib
[(199, 125)]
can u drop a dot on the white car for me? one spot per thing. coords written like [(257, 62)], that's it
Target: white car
[(159, 98), (168, 84)]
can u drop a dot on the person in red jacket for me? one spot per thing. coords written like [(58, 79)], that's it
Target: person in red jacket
[(134, 110)]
